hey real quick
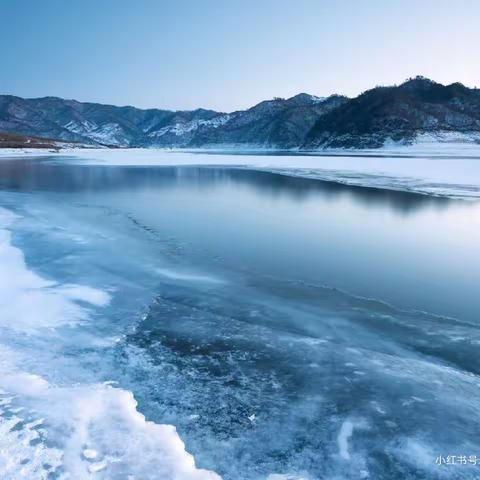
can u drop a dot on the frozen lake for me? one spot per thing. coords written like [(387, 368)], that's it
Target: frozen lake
[(288, 327)]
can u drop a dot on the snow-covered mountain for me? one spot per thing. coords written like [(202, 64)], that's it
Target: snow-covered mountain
[(414, 109), (277, 123), (92, 123), (274, 123)]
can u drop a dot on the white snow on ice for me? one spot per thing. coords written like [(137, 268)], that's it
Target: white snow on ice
[(70, 431)]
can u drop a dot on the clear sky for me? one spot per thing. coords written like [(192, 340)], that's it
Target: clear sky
[(230, 54)]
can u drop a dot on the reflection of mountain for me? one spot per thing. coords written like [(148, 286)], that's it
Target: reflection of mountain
[(399, 113), (36, 175)]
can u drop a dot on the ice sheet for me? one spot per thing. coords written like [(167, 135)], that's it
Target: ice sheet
[(50, 430), (446, 169)]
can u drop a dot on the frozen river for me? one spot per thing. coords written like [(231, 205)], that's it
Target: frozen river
[(287, 327)]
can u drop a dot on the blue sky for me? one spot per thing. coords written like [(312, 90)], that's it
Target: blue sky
[(230, 54)]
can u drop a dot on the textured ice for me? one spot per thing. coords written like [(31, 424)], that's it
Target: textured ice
[(187, 276), (96, 415), (56, 430), (90, 454), (29, 302), (263, 374), (343, 438), (345, 434)]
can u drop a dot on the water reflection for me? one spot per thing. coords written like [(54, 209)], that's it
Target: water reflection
[(35, 175), (409, 249)]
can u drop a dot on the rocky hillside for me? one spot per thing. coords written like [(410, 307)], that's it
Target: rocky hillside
[(277, 123), (400, 113), (92, 123)]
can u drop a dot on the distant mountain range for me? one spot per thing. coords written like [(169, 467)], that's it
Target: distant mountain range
[(383, 114)]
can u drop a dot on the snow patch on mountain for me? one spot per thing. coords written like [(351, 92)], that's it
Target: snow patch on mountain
[(181, 128), (108, 133), (80, 127), (445, 136)]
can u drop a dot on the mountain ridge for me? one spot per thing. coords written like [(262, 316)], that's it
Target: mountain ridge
[(398, 113)]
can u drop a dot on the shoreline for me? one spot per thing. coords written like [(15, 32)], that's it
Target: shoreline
[(451, 171)]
